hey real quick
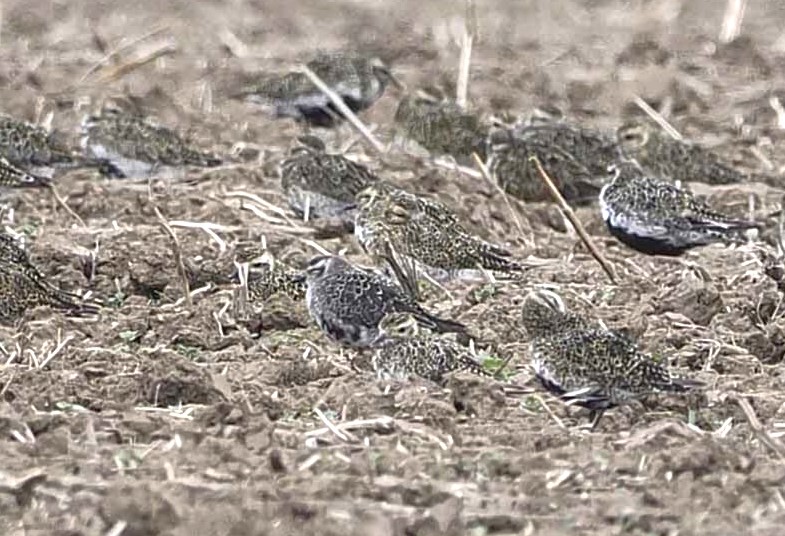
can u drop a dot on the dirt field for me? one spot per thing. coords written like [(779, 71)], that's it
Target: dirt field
[(169, 418)]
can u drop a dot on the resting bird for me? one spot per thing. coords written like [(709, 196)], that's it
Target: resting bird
[(23, 287), (414, 233), (575, 158), (275, 278), (348, 303), (658, 218), (441, 126), (404, 351), (322, 185), (137, 147), (584, 364), (677, 160), (13, 177), (358, 80), (33, 150)]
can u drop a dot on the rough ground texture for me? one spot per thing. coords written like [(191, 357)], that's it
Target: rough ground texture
[(171, 418)]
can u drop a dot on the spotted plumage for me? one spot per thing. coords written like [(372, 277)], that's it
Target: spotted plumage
[(22, 287), (13, 177), (405, 351), (275, 278), (441, 126), (403, 228), (575, 159), (348, 303), (322, 185), (656, 217), (359, 81), (584, 364), (677, 160), (137, 147), (39, 153)]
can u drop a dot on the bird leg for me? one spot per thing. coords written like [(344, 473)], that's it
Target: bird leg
[(595, 416)]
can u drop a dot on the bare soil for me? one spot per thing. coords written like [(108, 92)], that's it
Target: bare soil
[(168, 418)]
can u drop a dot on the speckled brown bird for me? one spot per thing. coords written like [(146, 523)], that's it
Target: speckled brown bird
[(358, 80), (320, 184), (441, 126), (656, 217), (584, 364), (575, 158), (403, 228), (677, 160), (39, 153), (404, 351), (22, 288), (275, 278), (12, 176), (136, 146)]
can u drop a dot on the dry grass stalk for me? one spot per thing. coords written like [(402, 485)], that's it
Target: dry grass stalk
[(568, 212), (731, 21), (178, 257), (340, 434), (114, 54), (485, 173), (345, 111), (452, 165), (207, 227), (148, 55), (658, 118), (776, 105), (469, 33), (60, 201), (763, 436)]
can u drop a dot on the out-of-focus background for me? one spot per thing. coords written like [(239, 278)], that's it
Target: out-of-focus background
[(93, 438)]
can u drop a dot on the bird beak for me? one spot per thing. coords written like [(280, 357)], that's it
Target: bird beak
[(351, 207), (299, 278)]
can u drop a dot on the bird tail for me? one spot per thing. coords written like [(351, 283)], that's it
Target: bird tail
[(74, 305), (681, 385), (440, 324)]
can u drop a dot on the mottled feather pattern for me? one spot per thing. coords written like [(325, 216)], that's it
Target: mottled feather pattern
[(136, 145), (325, 183), (576, 160), (424, 231), (349, 303), (657, 217)]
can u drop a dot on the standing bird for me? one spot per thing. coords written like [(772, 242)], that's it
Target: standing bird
[(677, 160), (137, 147), (441, 126), (318, 184), (404, 351), (575, 159), (658, 218), (412, 233), (348, 303), (359, 81), (33, 150), (586, 365)]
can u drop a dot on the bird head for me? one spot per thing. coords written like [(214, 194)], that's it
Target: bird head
[(398, 325), (383, 73), (633, 136), (322, 266), (366, 197), (541, 311), (309, 143)]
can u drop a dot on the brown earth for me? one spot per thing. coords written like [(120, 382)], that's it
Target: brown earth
[(177, 419)]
